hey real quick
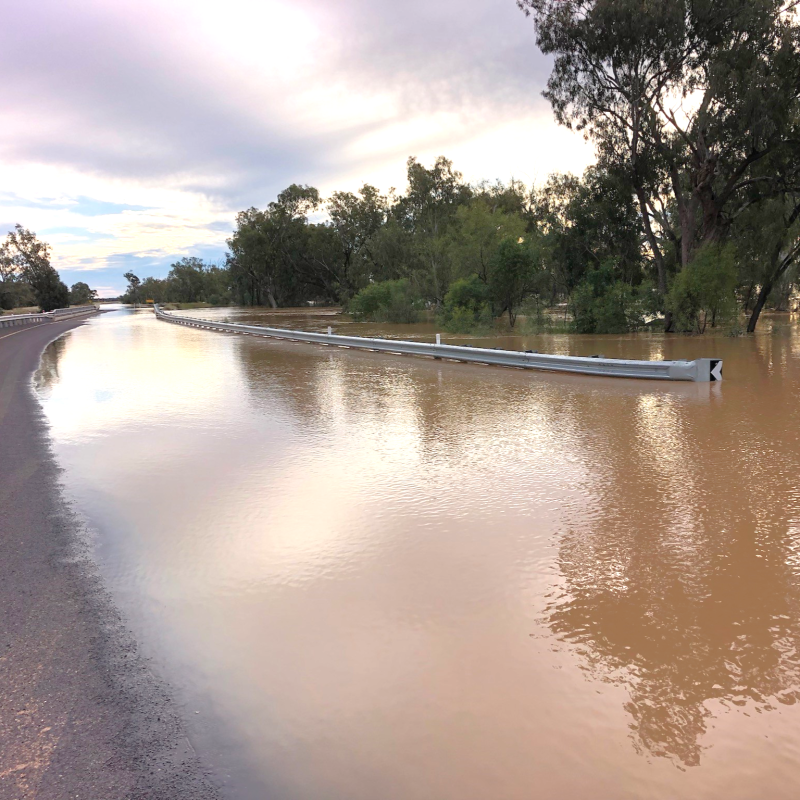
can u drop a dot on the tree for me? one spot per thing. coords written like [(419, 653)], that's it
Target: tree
[(269, 249), (428, 208), (685, 98), (589, 223), (33, 258), (703, 293), (476, 234), (767, 237), (14, 290), (186, 280), (354, 220), (512, 276), (133, 294), (81, 295)]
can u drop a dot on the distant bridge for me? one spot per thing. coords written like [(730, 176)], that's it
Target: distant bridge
[(701, 369)]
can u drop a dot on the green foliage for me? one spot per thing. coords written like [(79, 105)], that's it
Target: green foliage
[(190, 280), (475, 236), (704, 292), (604, 304), (513, 275), (32, 259), (588, 222), (466, 306), (81, 295), (50, 291), (386, 301)]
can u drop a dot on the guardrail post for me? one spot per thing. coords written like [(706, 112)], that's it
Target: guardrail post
[(330, 330)]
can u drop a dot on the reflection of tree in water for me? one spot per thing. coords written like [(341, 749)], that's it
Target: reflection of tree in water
[(47, 375), (679, 583)]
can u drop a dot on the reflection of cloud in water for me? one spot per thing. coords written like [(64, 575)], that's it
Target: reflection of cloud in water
[(111, 353)]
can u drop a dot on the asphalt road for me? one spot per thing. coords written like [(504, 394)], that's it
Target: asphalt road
[(81, 715)]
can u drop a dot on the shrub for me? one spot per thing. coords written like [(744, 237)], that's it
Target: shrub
[(704, 291), (466, 306), (386, 301), (600, 305)]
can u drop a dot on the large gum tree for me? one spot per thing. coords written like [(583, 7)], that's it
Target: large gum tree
[(686, 98)]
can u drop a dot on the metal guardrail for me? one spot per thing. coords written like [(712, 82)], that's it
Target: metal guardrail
[(701, 369), (15, 320)]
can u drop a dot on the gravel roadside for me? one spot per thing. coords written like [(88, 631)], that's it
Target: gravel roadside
[(81, 715)]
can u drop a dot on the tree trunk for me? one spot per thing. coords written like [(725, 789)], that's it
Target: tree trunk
[(759, 306)]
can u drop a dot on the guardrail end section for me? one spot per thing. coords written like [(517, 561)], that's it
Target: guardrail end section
[(708, 370)]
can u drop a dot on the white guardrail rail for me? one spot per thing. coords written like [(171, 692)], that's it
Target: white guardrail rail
[(18, 320), (701, 369)]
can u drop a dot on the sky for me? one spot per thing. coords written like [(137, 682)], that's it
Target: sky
[(134, 130)]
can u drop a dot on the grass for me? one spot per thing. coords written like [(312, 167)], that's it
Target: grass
[(24, 310)]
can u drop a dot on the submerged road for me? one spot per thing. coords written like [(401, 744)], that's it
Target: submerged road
[(81, 716)]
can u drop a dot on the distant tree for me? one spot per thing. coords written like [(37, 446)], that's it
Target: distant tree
[(155, 289), (14, 290), (132, 294), (477, 231), (588, 222), (355, 219), (81, 295), (269, 249), (33, 257), (512, 276), (186, 280), (428, 208)]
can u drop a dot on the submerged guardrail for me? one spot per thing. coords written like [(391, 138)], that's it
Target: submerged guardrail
[(701, 369), (16, 320)]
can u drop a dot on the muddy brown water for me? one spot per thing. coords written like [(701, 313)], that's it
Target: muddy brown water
[(369, 576)]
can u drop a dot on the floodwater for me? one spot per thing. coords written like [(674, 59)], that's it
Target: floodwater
[(369, 576)]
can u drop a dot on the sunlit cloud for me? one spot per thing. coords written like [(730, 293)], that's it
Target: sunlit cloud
[(137, 130)]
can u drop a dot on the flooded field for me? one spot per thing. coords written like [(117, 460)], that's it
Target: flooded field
[(369, 576)]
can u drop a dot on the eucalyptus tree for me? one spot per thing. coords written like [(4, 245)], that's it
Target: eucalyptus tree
[(477, 231), (428, 208), (268, 247), (512, 277), (187, 280), (769, 246), (14, 291), (133, 293), (355, 219), (687, 97), (33, 259), (590, 222)]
